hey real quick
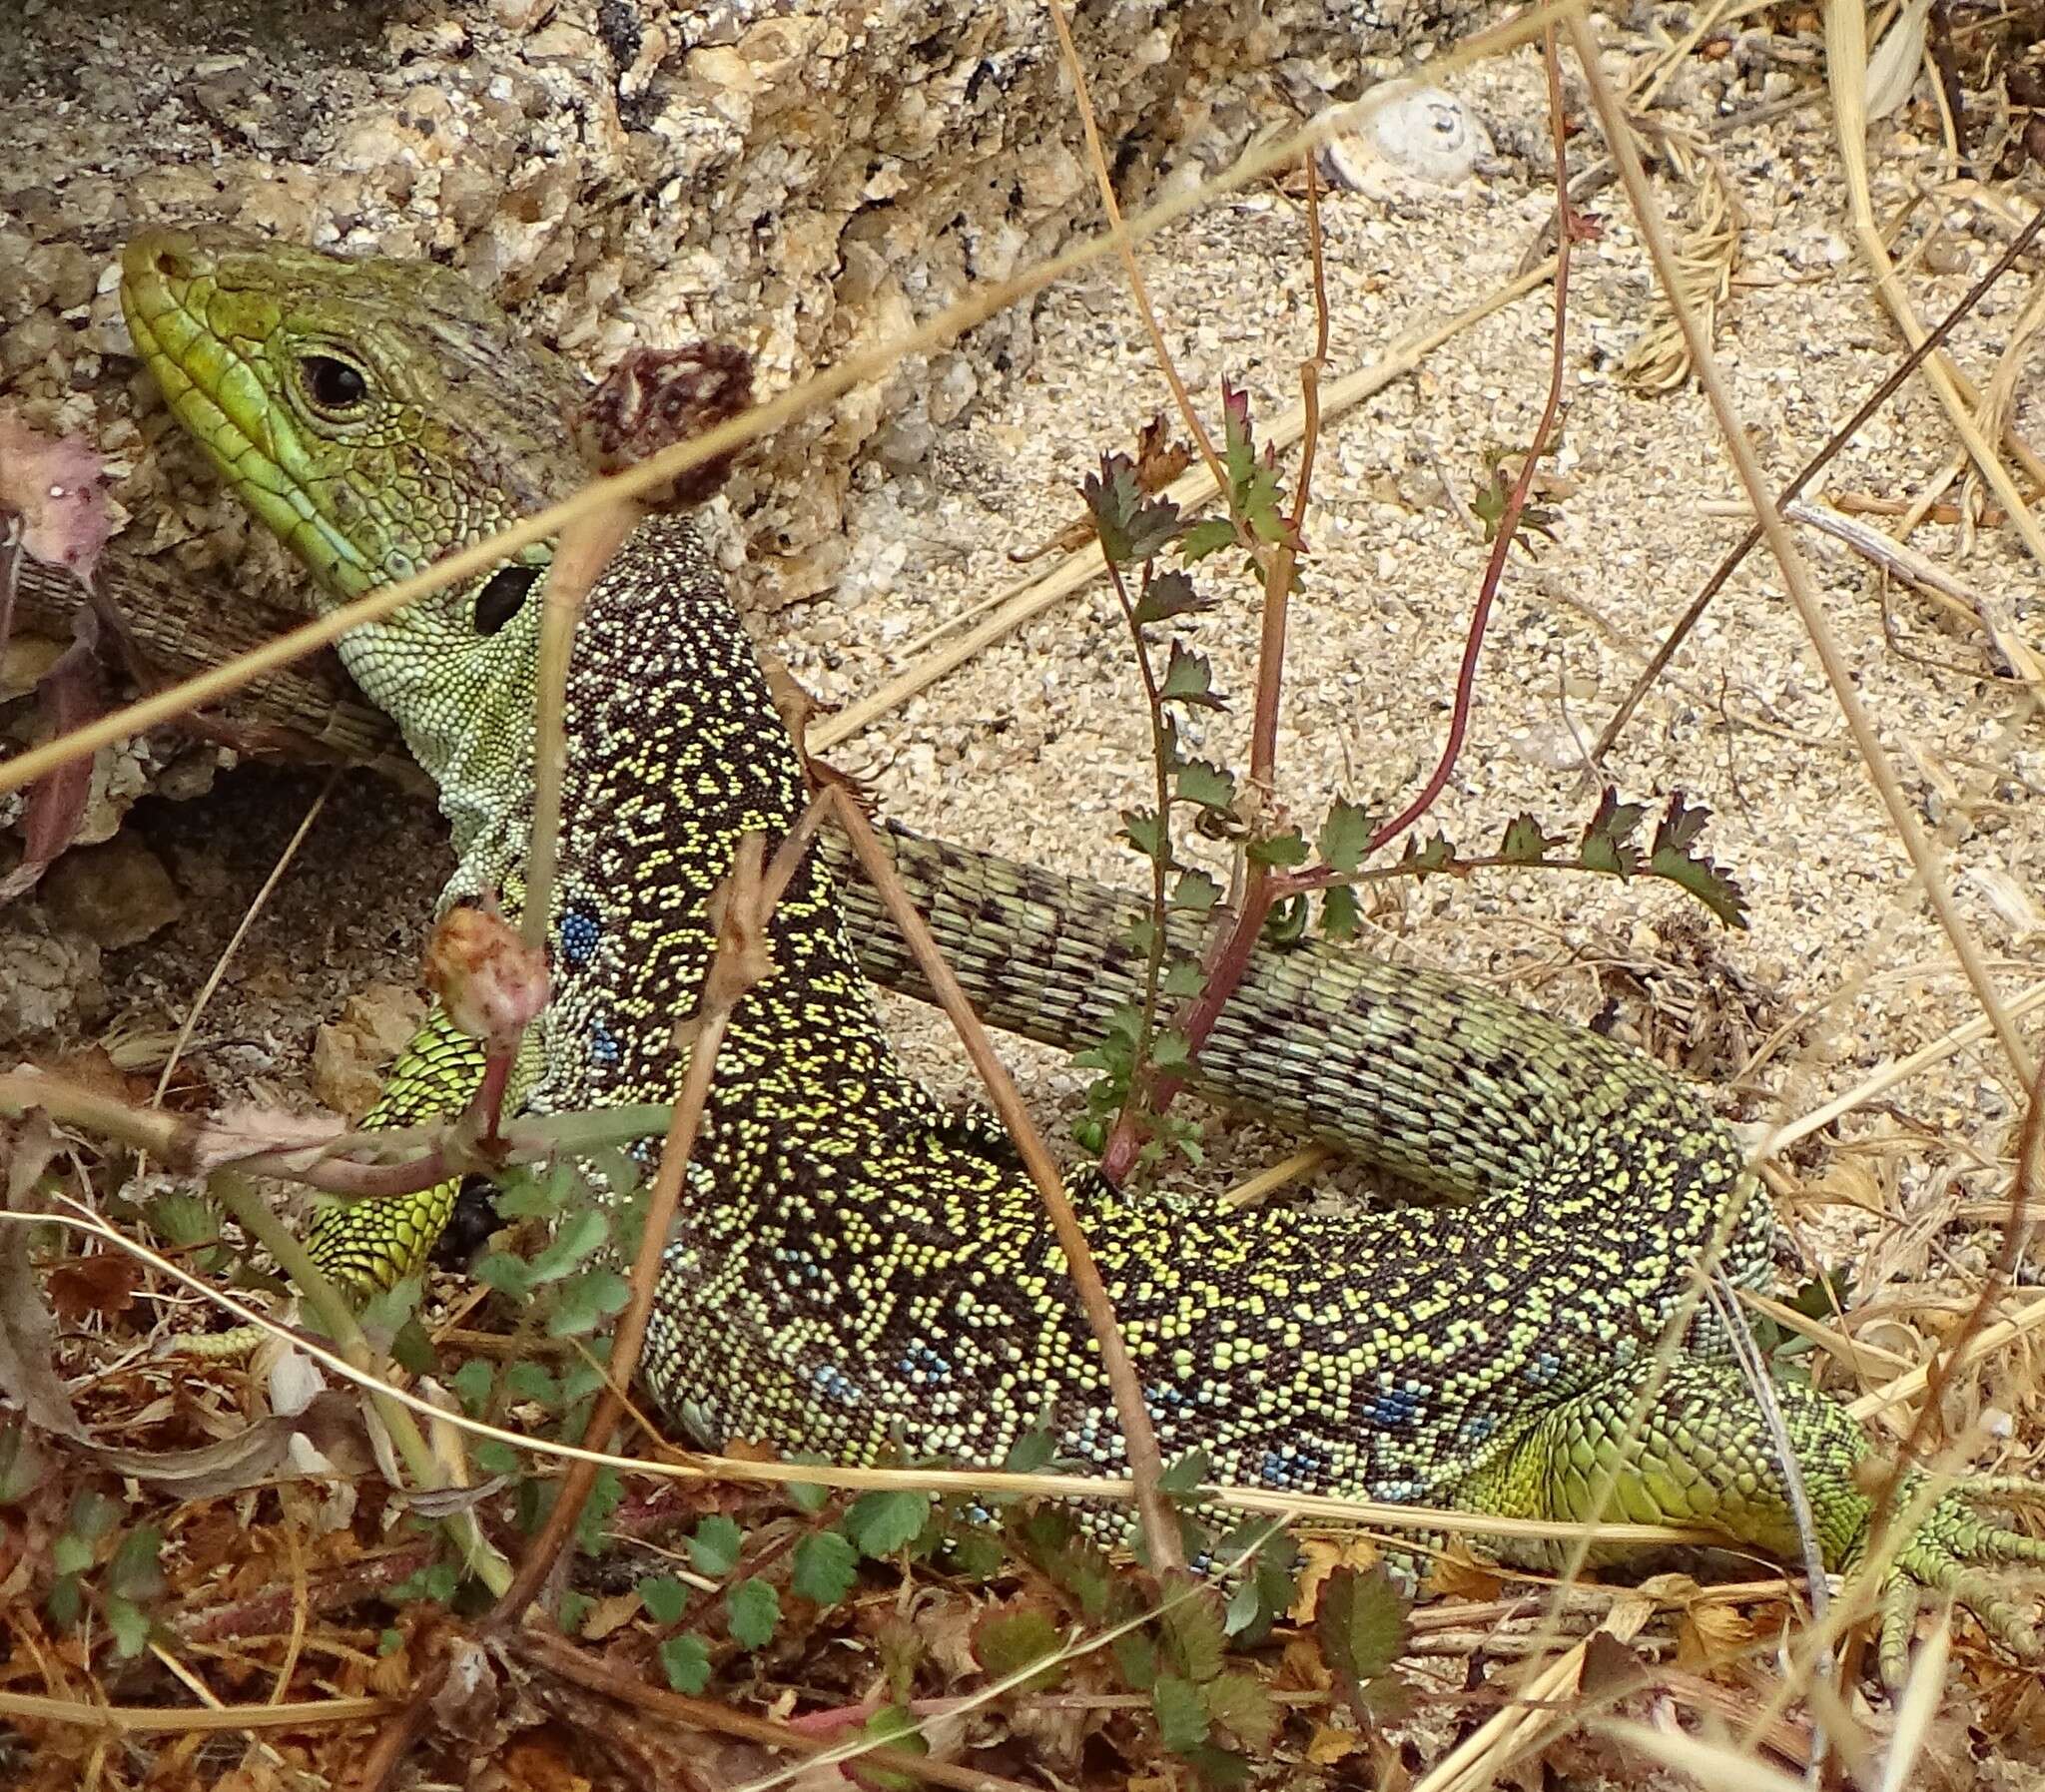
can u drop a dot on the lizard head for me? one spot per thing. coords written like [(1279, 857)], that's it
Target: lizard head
[(375, 414)]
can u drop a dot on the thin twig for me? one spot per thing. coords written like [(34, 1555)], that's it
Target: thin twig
[(335, 1315), (240, 932), (1812, 468), (730, 975), (1139, 1439), (1794, 574)]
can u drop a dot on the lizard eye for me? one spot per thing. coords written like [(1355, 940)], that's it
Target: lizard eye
[(331, 385), (502, 596)]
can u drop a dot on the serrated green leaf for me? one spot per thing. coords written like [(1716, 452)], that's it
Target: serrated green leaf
[(893, 1726), (607, 1492), (1280, 851), (1195, 892), (887, 1520), (1007, 1639), (1030, 1454), (716, 1545), (1341, 913), (532, 1382), (664, 1598), (184, 1220), (133, 1573), (1205, 785), (471, 1385), (530, 1194), (508, 1274), (1182, 979), (975, 1554), (495, 1458), (129, 1625), (1193, 1629), (585, 1301), (1186, 1476), (575, 1238), (1525, 840), (1129, 526), (1670, 858), (1345, 835), (1608, 836), (411, 1349), (752, 1609), (685, 1659), (1205, 538), (1181, 1713), (1135, 1658), (1433, 854), (1168, 1051), (1242, 1706), (1169, 594), (1219, 1767), (1361, 1624), (1145, 834), (71, 1554), (826, 1566), (1189, 679)]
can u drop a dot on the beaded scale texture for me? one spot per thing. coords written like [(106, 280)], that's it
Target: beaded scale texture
[(859, 1271)]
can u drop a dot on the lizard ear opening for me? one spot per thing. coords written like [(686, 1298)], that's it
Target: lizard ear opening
[(503, 596)]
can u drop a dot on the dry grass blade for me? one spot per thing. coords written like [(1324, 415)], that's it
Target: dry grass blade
[(1032, 597), (1802, 593)]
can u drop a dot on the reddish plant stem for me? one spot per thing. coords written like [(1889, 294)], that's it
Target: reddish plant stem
[(1149, 1093), (1263, 889)]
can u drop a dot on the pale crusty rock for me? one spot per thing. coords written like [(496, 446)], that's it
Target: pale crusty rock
[(798, 176)]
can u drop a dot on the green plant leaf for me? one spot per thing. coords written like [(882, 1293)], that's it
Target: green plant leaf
[(1345, 835), (471, 1385), (752, 1609), (1169, 594), (586, 1301), (825, 1567), (1361, 1624), (1008, 1638), (1189, 679), (1181, 1713), (1185, 1475), (577, 1237), (1205, 785), (1670, 857), (1242, 1706), (1341, 913), (1525, 840), (1205, 538), (685, 1659), (664, 1598), (1193, 1629), (715, 1547), (129, 1625), (887, 1520), (1279, 849)]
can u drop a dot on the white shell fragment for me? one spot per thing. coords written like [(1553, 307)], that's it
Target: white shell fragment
[(1406, 133)]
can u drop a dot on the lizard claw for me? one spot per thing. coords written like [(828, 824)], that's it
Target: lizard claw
[(1947, 1551)]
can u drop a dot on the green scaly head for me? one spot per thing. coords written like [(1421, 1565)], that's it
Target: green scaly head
[(375, 415)]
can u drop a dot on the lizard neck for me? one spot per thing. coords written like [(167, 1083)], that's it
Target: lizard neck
[(467, 715)]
